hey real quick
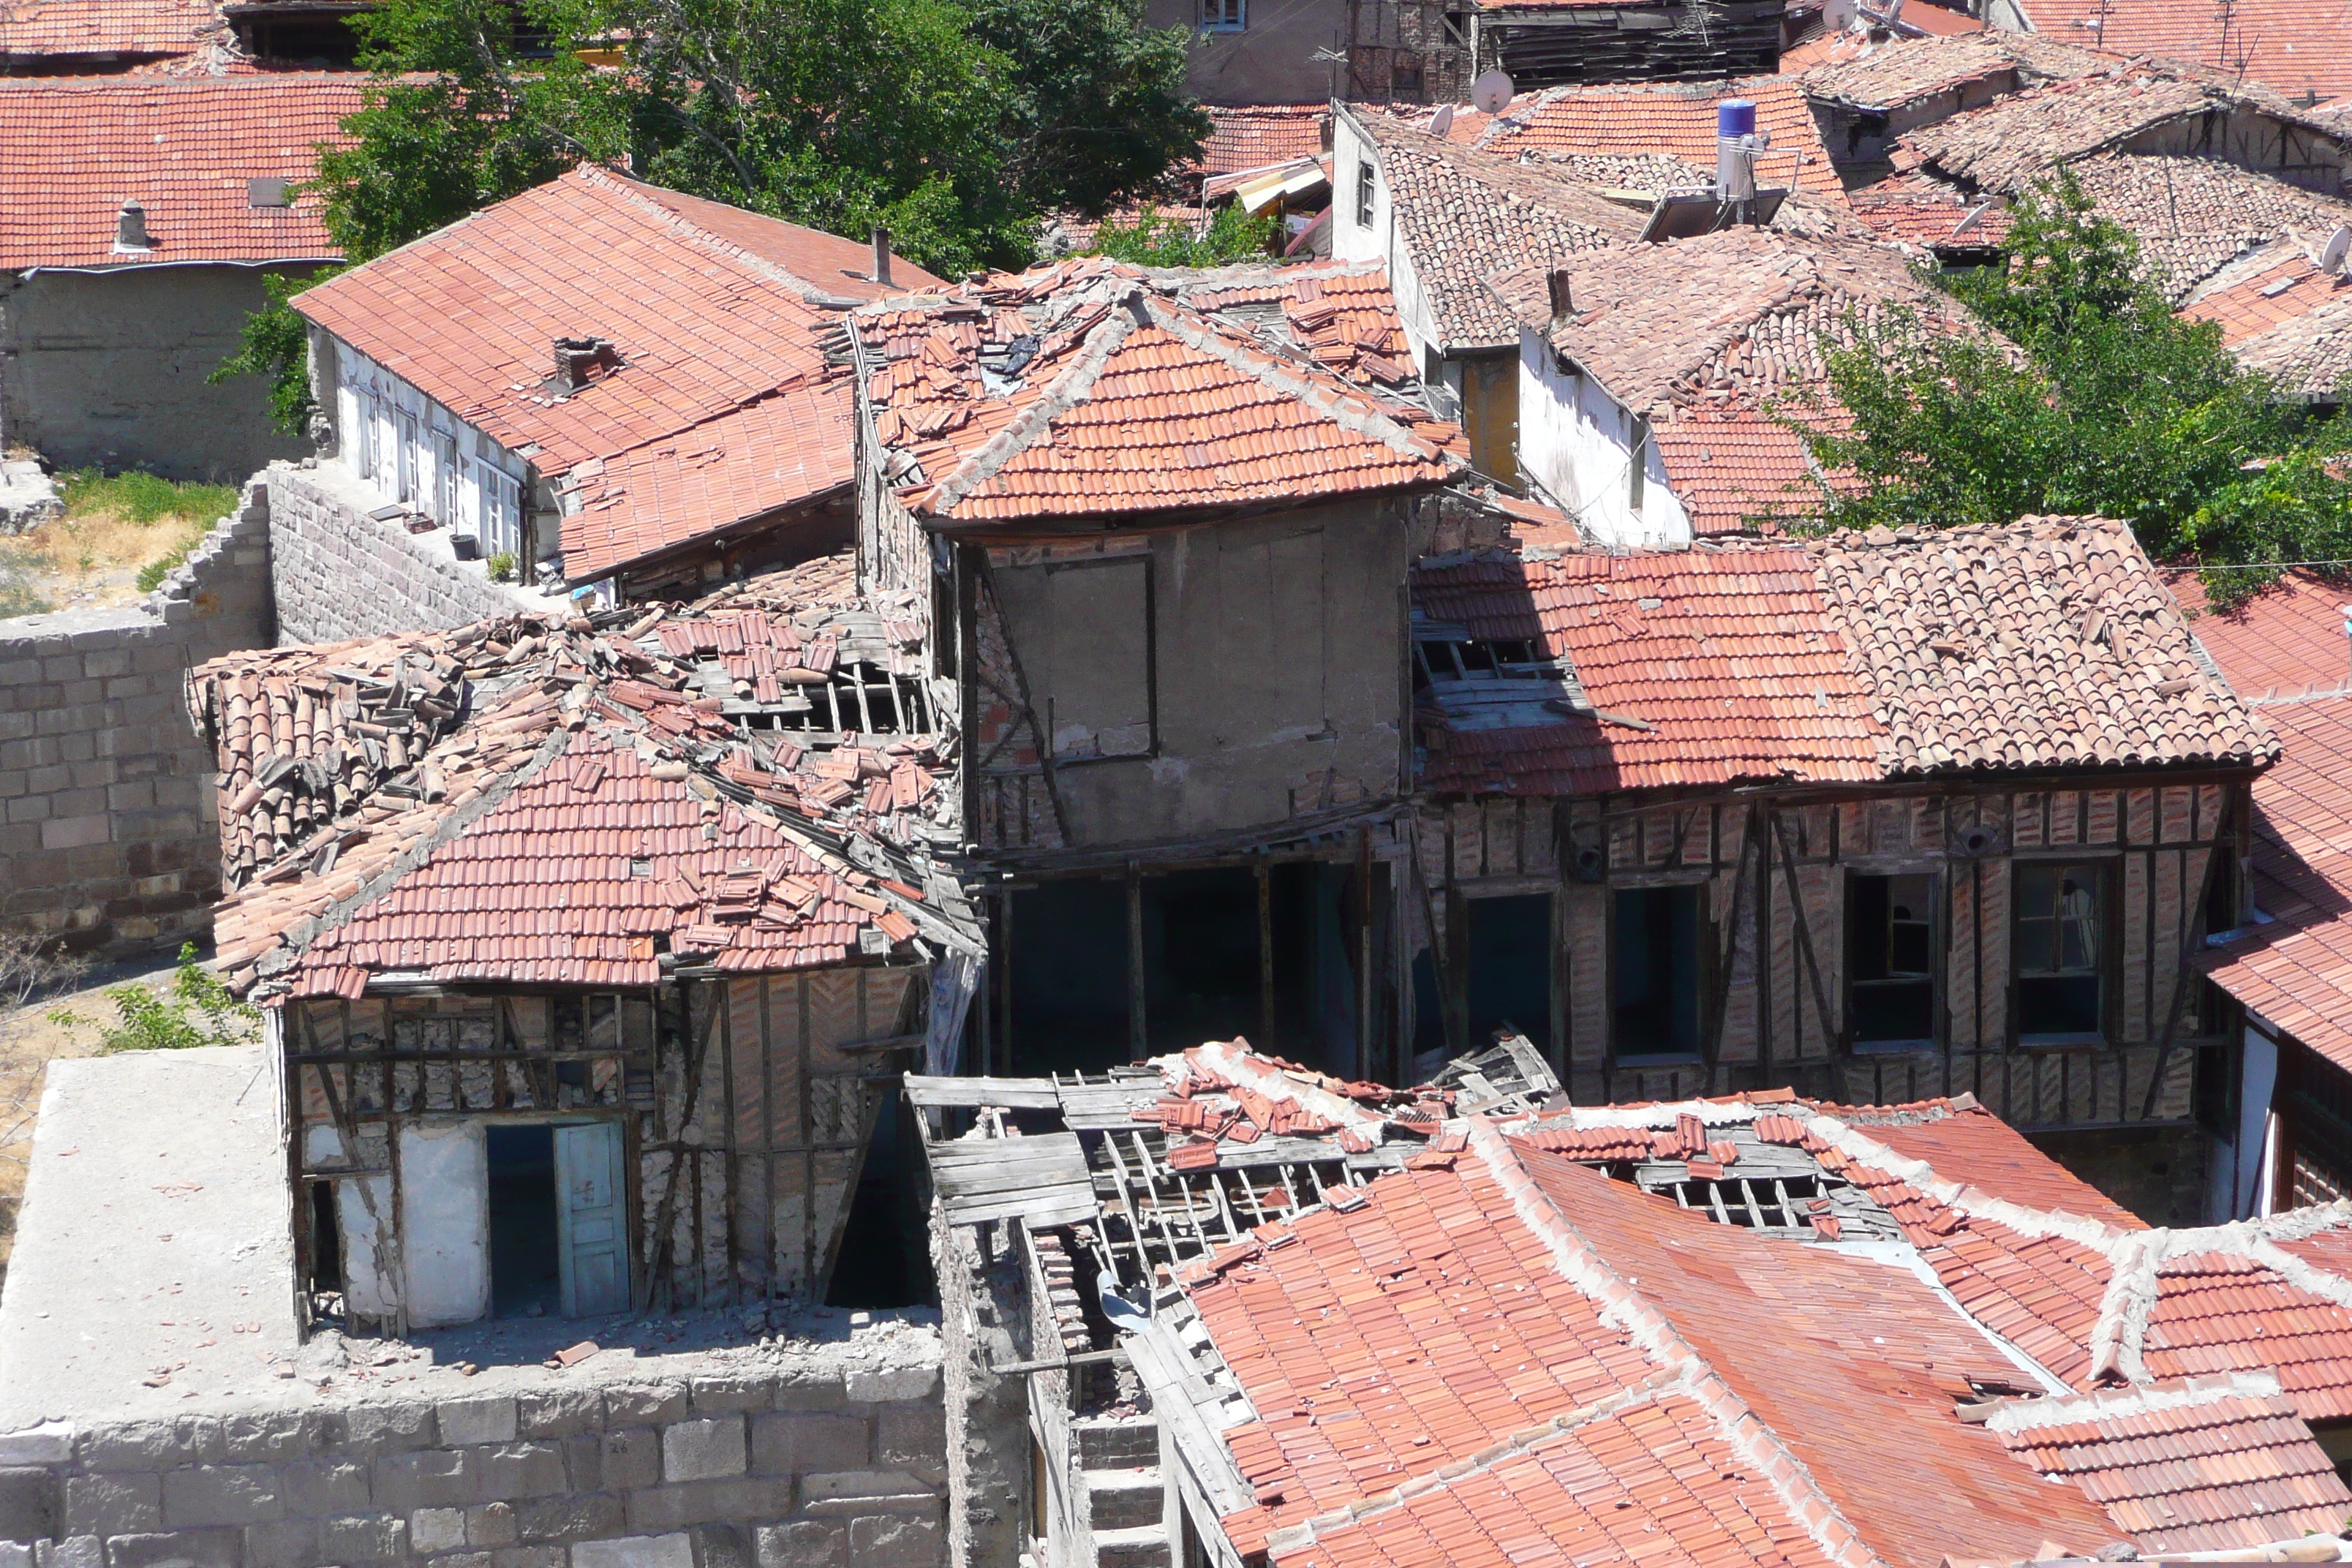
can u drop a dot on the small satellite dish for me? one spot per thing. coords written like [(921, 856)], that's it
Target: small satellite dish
[(1442, 121), (2331, 255), (1491, 93)]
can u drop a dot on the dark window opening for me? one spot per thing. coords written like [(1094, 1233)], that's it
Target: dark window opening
[(1778, 1202), (1200, 957), (2057, 951), (1655, 973), (326, 1239), (2215, 1089), (1439, 658), (1068, 972), (1509, 984), (1311, 910), (525, 1274), (2222, 892), (314, 37), (881, 1261), (1890, 959)]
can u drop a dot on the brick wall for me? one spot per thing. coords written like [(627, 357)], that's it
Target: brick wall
[(785, 1467), (108, 837), (340, 574)]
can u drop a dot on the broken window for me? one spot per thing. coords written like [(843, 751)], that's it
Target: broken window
[(2057, 948), (1223, 16), (1890, 959), (1508, 981), (1657, 973)]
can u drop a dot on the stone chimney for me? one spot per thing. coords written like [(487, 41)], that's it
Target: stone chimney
[(578, 360), (1562, 305), (882, 256), (131, 227)]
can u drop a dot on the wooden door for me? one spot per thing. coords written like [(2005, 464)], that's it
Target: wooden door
[(592, 1235)]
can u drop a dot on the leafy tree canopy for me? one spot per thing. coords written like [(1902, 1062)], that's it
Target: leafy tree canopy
[(2109, 404), (1154, 238)]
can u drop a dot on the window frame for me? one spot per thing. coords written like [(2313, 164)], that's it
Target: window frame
[(502, 505), (1938, 937), (447, 498), (1368, 174), (1229, 15), (1697, 885), (409, 448), (369, 408), (1151, 660), (2106, 938)]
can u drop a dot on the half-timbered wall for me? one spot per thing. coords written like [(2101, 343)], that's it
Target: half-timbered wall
[(745, 1105), (1773, 872)]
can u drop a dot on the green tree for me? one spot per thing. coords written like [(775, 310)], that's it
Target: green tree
[(1158, 239), (2097, 399)]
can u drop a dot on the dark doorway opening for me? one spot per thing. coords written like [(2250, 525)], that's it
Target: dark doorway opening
[(1200, 957), (1656, 974), (881, 1259), (326, 1239), (1314, 910), (526, 1275), (1068, 976), (1509, 962)]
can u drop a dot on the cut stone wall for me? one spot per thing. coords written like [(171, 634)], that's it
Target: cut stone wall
[(108, 832), (784, 1467), (340, 572)]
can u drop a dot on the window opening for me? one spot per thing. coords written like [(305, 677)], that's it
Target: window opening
[(1510, 979), (1655, 973), (1365, 175), (326, 1240), (1224, 15), (1637, 465), (1890, 937), (2056, 950), (445, 478), (501, 513), (1068, 975), (411, 460), (525, 1270), (2222, 892)]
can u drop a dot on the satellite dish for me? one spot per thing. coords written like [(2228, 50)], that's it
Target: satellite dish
[(2331, 255), (1491, 93), (1442, 121)]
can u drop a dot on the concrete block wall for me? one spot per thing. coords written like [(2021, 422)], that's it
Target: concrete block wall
[(340, 572), (782, 1468), (108, 832)]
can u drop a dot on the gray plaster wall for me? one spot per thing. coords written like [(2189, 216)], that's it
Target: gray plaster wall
[(340, 572), (782, 1467), (108, 837), (107, 370), (1272, 60)]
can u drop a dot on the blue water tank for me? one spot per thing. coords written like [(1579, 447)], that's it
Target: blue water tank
[(1736, 117)]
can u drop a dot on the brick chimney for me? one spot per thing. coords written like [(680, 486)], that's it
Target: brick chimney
[(579, 360), (131, 227)]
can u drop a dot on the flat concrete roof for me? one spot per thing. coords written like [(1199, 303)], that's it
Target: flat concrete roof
[(154, 1257)]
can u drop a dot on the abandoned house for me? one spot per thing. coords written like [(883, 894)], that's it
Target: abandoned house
[(1659, 383), (1251, 1313), (143, 213), (2287, 309), (86, 37), (589, 948), (606, 413), (1541, 43), (1164, 522), (1884, 816)]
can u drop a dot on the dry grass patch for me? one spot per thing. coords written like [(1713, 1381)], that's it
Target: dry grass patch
[(120, 535)]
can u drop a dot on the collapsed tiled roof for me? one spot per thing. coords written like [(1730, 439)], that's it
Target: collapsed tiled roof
[(2286, 650), (755, 784), (2282, 316), (38, 29), (73, 150), (1663, 118), (712, 311), (1899, 71), (1567, 1337), (2295, 47), (1464, 216), (1091, 387), (1258, 136), (2050, 643)]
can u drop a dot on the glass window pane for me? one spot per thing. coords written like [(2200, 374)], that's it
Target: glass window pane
[(2037, 891), (2034, 945)]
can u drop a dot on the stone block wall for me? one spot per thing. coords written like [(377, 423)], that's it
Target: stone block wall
[(782, 1468), (340, 572), (108, 832)]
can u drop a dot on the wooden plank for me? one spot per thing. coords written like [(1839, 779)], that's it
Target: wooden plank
[(1012, 1093), (1039, 1207)]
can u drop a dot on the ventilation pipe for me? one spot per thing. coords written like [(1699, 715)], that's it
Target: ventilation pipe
[(882, 256), (131, 227)]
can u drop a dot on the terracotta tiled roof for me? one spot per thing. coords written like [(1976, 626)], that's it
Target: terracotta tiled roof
[(1976, 1147), (2286, 650), (1926, 214), (2292, 46), (2194, 215), (1261, 135), (2187, 1468), (66, 28), (2282, 315), (558, 803), (1465, 216), (1737, 470), (1088, 388), (73, 150), (2052, 643), (1899, 71), (1663, 118)]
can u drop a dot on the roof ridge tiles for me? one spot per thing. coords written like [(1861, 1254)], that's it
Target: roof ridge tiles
[(2117, 1404)]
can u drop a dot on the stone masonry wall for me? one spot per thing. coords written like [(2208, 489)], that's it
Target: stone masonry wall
[(341, 573), (108, 831), (782, 1468)]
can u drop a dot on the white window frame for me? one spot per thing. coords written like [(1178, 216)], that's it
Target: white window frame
[(370, 410), (501, 513), (411, 460), (445, 478), (1224, 15)]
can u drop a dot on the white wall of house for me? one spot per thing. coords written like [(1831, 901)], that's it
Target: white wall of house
[(416, 453), (1577, 447), (1351, 153)]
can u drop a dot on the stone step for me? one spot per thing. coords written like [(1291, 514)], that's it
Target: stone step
[(1121, 1500), (1145, 1546), (1115, 1444)]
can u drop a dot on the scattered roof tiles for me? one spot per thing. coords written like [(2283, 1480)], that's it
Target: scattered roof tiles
[(2286, 650), (716, 314), (73, 150), (546, 801), (2050, 643), (1464, 216), (1090, 387)]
